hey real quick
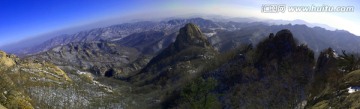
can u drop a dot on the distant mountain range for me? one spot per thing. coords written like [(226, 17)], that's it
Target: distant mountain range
[(244, 28), (186, 64)]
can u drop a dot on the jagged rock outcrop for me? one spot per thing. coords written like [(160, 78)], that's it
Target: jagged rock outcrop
[(327, 73), (179, 61), (278, 71), (190, 35), (278, 47)]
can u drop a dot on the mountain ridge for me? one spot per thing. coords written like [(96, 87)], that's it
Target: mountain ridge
[(117, 32)]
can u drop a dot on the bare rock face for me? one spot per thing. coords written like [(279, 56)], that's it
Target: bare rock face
[(190, 35), (182, 59)]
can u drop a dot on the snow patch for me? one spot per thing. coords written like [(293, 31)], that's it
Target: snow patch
[(116, 39), (335, 55), (353, 89), (105, 87), (80, 72), (209, 34), (57, 49)]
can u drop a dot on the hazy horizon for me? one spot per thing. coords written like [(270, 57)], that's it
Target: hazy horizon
[(26, 19)]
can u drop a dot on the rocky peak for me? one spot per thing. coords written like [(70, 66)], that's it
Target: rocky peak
[(282, 46), (174, 63), (190, 35), (285, 34), (284, 42)]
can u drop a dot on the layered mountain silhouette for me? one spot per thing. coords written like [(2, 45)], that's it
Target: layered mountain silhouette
[(148, 38), (224, 36)]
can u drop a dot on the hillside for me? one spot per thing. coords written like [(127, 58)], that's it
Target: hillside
[(274, 74), (37, 84), (20, 77), (100, 58)]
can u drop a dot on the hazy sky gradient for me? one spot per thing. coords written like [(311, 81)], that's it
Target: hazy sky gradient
[(21, 19)]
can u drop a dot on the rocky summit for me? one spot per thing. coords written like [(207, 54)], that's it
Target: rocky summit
[(190, 35), (181, 59)]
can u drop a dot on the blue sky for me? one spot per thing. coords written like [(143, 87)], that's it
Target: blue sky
[(21, 19)]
